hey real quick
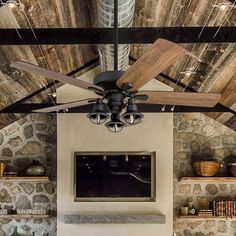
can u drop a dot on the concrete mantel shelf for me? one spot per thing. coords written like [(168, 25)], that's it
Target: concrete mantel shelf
[(132, 218)]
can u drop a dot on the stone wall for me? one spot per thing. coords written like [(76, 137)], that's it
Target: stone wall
[(196, 134), (31, 138)]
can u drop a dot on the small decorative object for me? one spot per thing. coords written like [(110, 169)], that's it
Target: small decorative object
[(2, 168), (191, 209), (36, 169), (232, 168), (184, 211), (206, 168)]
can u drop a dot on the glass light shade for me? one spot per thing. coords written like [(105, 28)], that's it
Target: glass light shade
[(98, 117), (132, 117)]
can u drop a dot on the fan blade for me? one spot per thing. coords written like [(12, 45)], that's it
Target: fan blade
[(25, 66), (66, 106), (157, 58), (181, 98)]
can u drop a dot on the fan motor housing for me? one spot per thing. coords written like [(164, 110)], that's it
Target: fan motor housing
[(107, 80)]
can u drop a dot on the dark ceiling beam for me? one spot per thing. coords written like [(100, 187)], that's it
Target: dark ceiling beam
[(146, 108), (16, 104), (142, 35)]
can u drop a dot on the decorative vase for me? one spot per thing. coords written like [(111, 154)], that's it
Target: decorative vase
[(36, 169)]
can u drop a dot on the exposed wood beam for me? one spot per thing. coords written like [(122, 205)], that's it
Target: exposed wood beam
[(28, 107), (143, 35)]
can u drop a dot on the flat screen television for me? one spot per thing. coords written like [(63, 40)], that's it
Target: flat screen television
[(115, 176)]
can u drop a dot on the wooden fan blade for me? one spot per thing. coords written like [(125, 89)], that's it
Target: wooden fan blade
[(66, 106), (157, 58), (25, 66), (181, 98)]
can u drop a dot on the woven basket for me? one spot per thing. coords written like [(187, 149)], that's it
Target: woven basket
[(206, 168)]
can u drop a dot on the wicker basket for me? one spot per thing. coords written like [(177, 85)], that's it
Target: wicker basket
[(206, 168)]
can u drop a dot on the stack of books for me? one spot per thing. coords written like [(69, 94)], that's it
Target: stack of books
[(224, 208), (205, 212)]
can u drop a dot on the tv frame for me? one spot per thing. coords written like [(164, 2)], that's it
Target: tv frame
[(119, 199)]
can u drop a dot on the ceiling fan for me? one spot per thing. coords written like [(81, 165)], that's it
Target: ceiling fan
[(119, 90)]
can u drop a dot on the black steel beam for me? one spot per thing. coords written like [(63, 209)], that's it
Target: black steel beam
[(143, 35), (146, 108), (18, 103)]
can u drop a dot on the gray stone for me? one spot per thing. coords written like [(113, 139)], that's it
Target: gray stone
[(26, 228), (40, 199), (7, 152), (5, 196), (193, 225), (115, 219), (28, 188), (15, 190), (214, 141), (196, 124), (42, 118), (197, 189), (41, 126), (194, 146), (39, 188), (22, 121), (200, 234), (183, 125), (182, 156), (212, 189), (222, 152), (210, 131), (184, 188), (222, 187), (2, 233), (209, 224), (30, 148), (28, 131), (201, 139), (185, 137), (233, 224), (11, 130), (228, 140), (221, 226), (23, 203), (50, 139), (187, 233), (16, 141), (49, 188), (1, 139)]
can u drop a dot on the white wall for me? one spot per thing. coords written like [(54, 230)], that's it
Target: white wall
[(77, 133)]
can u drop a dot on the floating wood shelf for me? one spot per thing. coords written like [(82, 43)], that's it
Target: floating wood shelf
[(24, 179), (208, 179), (19, 217), (196, 217)]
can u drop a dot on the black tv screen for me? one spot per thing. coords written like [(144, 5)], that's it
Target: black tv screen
[(114, 176)]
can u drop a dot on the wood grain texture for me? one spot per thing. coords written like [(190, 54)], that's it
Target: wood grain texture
[(211, 63), (181, 98), (34, 69), (207, 179), (157, 58)]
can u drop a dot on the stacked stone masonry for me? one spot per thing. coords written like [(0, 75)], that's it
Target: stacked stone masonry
[(197, 134), (31, 138)]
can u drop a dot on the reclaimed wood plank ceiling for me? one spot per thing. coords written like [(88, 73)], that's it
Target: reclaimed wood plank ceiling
[(210, 68)]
